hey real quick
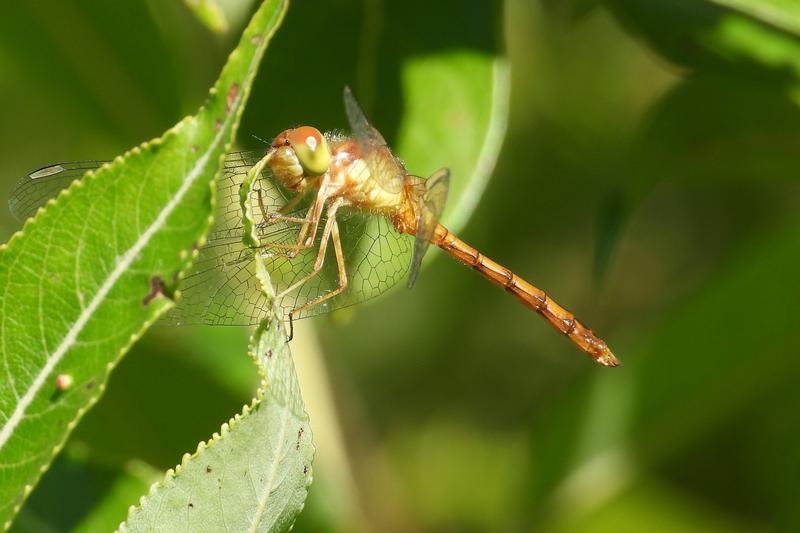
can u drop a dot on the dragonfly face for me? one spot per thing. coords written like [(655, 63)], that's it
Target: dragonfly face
[(297, 154)]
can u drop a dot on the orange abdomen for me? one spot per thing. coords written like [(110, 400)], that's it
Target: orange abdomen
[(531, 296)]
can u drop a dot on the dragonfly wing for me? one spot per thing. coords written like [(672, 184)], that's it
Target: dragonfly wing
[(221, 287), (430, 205), (385, 168), (34, 189), (376, 258)]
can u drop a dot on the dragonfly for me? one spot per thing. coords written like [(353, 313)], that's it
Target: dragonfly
[(338, 220)]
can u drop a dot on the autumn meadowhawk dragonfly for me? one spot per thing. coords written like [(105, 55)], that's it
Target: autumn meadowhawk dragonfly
[(337, 219)]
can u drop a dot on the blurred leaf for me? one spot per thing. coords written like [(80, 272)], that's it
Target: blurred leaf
[(714, 351), (158, 431), (254, 474), (783, 14), (455, 116), (113, 504), (440, 457), (79, 495), (210, 13), (654, 507), (88, 274), (709, 34), (701, 133), (572, 10), (610, 224), (717, 351)]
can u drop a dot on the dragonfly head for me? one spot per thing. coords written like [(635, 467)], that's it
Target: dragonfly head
[(299, 153)]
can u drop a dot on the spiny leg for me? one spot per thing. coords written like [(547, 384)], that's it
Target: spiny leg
[(267, 218), (287, 208), (311, 220), (337, 246), (323, 246)]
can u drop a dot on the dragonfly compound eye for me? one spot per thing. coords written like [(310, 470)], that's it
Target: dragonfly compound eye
[(311, 149)]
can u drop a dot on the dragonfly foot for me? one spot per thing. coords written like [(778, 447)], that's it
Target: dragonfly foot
[(291, 329)]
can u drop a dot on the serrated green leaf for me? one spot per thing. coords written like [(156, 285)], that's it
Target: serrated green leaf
[(85, 277), (210, 13), (254, 474)]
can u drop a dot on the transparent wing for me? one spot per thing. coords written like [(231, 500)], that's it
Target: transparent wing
[(33, 190), (221, 287), (430, 204), (384, 167)]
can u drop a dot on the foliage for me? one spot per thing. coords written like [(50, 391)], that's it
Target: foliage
[(251, 476), (648, 181), (98, 265)]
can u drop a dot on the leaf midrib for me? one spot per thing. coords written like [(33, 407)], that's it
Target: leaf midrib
[(122, 265), (267, 491)]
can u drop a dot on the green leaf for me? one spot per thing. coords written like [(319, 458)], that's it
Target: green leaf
[(718, 33), (783, 14), (254, 474), (711, 350), (81, 495), (210, 13), (455, 116), (748, 135), (84, 278)]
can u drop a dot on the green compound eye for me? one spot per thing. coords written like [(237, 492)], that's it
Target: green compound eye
[(311, 149)]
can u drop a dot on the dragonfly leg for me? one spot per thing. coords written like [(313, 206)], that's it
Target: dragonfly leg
[(320, 261), (304, 239), (277, 216), (337, 246), (323, 246), (287, 208)]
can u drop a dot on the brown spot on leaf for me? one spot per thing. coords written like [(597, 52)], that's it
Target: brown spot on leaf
[(90, 384), (269, 354), (191, 505), (208, 469), (157, 287), (305, 470), (232, 92), (299, 437)]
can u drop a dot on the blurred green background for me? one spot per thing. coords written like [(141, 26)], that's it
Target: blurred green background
[(648, 180)]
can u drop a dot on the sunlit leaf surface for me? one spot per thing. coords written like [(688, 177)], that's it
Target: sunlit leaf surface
[(254, 474), (89, 273)]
